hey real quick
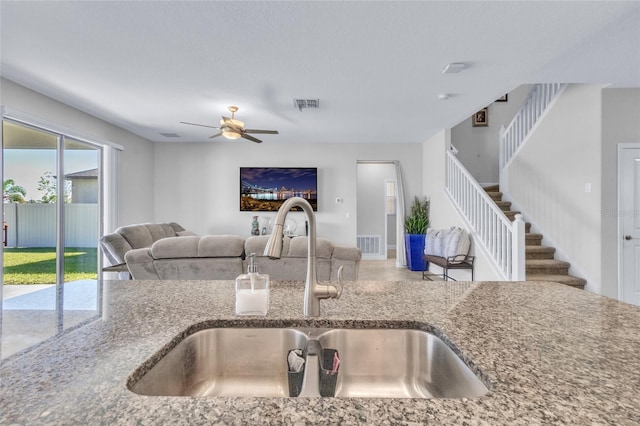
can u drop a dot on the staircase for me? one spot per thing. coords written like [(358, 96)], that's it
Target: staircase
[(540, 262)]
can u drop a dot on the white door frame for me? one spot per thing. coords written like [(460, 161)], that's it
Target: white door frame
[(621, 148)]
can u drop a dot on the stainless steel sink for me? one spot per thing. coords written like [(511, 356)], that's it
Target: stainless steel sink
[(225, 362), (252, 362), (399, 363)]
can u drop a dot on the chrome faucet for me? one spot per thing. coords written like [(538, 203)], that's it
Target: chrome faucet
[(313, 291)]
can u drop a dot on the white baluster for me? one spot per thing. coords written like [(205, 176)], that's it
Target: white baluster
[(517, 250)]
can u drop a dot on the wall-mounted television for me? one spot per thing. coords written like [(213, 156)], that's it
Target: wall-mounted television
[(264, 189)]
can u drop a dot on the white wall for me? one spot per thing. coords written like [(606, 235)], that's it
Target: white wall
[(548, 178), (443, 212), (197, 184), (136, 168), (478, 146), (620, 124)]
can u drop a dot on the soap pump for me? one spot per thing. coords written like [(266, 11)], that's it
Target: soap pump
[(252, 291)]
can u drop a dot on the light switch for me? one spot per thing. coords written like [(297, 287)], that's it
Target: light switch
[(348, 215), (587, 187)]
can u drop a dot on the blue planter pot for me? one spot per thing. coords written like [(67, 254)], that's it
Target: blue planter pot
[(414, 246)]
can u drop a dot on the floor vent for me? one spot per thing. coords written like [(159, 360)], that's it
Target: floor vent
[(369, 244)]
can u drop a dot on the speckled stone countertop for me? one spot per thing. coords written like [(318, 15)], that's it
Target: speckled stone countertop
[(551, 354)]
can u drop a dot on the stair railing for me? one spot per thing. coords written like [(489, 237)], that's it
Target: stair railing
[(502, 240), (535, 104)]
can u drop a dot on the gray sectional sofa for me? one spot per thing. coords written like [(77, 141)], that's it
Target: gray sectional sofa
[(168, 252)]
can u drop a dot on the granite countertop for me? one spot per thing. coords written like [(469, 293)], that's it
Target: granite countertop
[(551, 355)]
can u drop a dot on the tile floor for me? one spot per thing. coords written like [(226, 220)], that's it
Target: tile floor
[(386, 270)]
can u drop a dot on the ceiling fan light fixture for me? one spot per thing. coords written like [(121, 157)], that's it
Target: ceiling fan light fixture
[(230, 128), (231, 134)]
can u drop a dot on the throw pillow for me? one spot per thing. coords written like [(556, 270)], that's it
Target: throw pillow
[(430, 241), (451, 242), (438, 244), (462, 248)]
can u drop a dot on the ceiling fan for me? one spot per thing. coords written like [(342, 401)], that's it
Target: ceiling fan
[(231, 128)]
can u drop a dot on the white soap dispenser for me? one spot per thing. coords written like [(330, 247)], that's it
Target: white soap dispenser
[(252, 291)]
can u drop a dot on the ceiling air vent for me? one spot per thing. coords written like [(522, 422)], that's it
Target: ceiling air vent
[(306, 103), (170, 135)]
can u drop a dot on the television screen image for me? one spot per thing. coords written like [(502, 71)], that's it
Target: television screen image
[(264, 189)]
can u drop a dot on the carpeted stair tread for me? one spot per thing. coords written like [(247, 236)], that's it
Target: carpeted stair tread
[(533, 239), (539, 252), (511, 214), (569, 280), (495, 196), (492, 188), (547, 266), (504, 205)]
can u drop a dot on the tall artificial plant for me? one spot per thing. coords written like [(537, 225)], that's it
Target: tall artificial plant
[(417, 221)]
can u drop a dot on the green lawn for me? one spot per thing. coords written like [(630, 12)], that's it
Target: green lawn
[(38, 265)]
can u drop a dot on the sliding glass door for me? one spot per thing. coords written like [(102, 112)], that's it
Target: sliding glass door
[(81, 213), (52, 217)]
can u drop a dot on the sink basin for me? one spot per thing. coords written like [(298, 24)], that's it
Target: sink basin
[(399, 363), (225, 362), (252, 362)]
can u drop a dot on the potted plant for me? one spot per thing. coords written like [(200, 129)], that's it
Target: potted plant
[(415, 229)]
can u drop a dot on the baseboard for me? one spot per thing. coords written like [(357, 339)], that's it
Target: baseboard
[(373, 257)]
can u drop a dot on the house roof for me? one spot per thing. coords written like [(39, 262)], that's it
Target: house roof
[(376, 67), (83, 174)]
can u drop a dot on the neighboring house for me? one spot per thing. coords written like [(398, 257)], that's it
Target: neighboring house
[(84, 186)]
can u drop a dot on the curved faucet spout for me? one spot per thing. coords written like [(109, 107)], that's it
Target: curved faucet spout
[(313, 291)]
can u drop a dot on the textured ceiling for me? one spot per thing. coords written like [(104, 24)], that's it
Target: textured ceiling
[(375, 66)]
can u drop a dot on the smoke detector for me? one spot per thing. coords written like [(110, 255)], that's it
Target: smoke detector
[(306, 103)]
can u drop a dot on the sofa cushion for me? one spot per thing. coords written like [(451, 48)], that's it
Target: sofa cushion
[(176, 247), (291, 246), (130, 237), (194, 246), (298, 247), (221, 246), (143, 235), (347, 253), (115, 247), (256, 244)]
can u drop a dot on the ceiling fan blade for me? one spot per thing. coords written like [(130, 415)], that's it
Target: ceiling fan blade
[(201, 125), (265, 132), (216, 135), (251, 138)]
